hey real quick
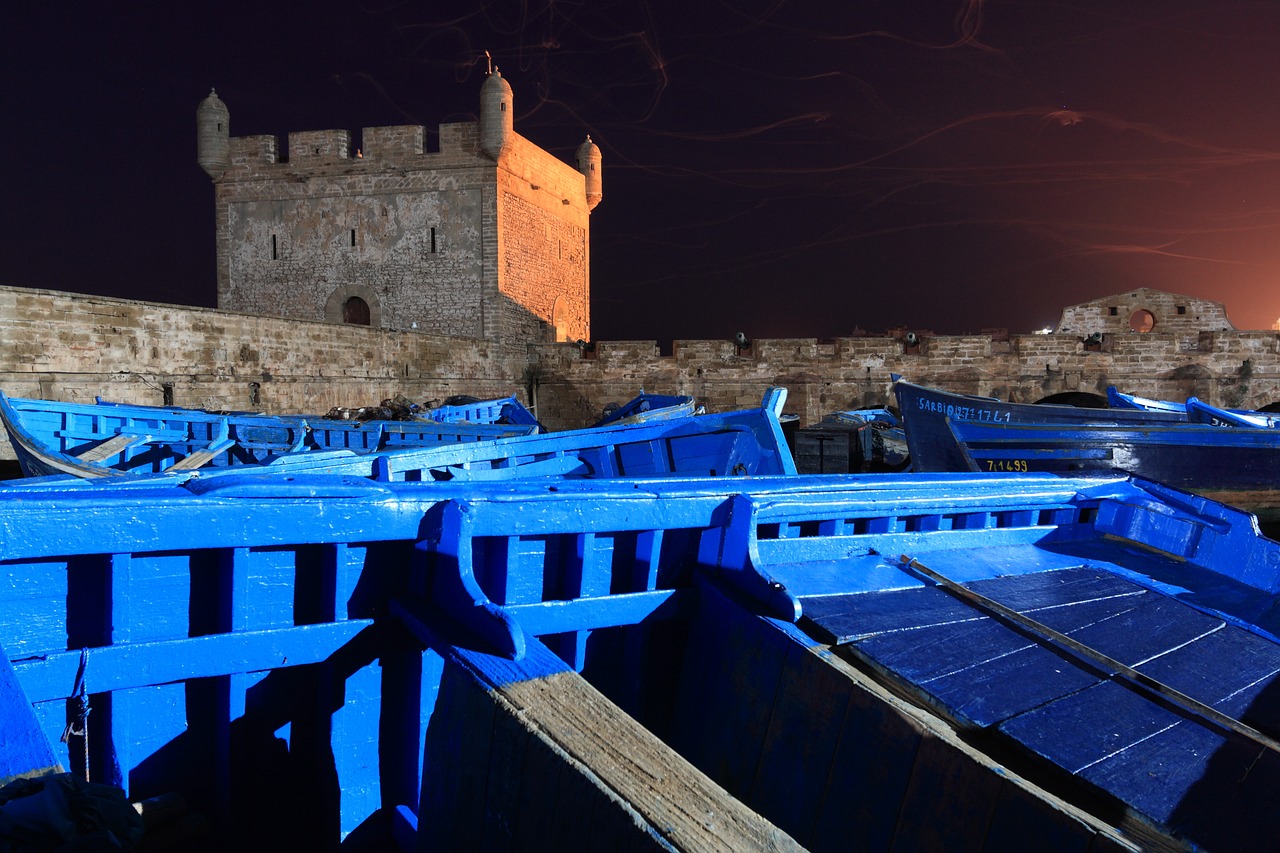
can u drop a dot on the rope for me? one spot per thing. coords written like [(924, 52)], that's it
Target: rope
[(78, 725)]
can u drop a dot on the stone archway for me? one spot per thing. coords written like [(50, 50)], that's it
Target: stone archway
[(559, 323), (353, 304), (1079, 399)]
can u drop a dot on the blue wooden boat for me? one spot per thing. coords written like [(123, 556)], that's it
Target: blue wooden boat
[(1117, 399), (82, 440), (927, 412), (648, 407), (745, 443), (1196, 410), (1237, 466), (502, 410), (640, 664)]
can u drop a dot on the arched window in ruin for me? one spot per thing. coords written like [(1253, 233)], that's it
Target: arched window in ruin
[(355, 311), (559, 322), (1142, 321)]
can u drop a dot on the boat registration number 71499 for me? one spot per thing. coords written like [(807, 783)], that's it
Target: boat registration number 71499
[(1012, 465)]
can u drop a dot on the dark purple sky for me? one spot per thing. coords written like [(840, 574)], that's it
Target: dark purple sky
[(780, 168)]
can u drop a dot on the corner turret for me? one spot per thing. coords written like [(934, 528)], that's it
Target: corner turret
[(213, 135), (496, 122), (589, 166)]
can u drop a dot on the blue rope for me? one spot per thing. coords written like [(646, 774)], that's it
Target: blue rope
[(78, 725)]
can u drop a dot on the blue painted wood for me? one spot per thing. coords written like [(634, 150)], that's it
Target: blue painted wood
[(502, 410), (645, 408), (24, 748), (190, 595), (926, 411), (1236, 465), (109, 440)]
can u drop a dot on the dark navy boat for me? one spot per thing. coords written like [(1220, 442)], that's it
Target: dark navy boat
[(927, 412)]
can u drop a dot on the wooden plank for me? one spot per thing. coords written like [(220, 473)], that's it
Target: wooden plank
[(24, 748), (725, 701), (129, 665), (870, 770), (456, 764), (1090, 656), (800, 743), (949, 801), (1021, 821), (1174, 771), (110, 447), (502, 801), (633, 769)]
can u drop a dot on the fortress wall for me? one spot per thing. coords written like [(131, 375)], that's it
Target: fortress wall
[(543, 258), (1236, 368), (66, 347)]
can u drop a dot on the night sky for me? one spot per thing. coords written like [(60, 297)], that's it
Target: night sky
[(778, 168)]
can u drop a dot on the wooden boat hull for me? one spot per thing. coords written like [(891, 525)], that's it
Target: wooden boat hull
[(503, 410), (1238, 466), (649, 407), (925, 413), (106, 440), (311, 659)]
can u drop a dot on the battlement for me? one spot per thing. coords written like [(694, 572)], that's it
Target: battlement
[(397, 145), (320, 145)]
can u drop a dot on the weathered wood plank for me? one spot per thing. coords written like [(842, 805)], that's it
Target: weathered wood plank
[(725, 701), (629, 768), (801, 742)]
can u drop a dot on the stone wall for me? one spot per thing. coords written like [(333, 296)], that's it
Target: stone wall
[(60, 346), (1239, 369), (543, 255), (67, 347), (398, 227)]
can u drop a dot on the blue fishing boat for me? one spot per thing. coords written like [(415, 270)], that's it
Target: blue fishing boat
[(648, 407), (1117, 399), (1197, 411), (745, 443), (1237, 466), (927, 412), (93, 440), (502, 410), (538, 665)]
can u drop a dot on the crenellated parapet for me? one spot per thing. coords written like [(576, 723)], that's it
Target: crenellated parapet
[(1174, 360)]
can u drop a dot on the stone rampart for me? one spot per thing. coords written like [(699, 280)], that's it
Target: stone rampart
[(67, 347), (61, 346)]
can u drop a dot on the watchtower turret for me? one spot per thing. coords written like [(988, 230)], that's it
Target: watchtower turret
[(496, 121), (589, 166), (213, 135)]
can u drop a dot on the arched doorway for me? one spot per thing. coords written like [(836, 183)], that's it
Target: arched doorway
[(355, 311), (1079, 399)]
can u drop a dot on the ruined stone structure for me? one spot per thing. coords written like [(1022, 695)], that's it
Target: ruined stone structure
[(485, 238)]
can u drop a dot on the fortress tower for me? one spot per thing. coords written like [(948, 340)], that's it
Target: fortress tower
[(488, 237)]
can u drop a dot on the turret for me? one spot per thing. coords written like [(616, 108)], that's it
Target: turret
[(213, 135), (589, 166), (495, 115)]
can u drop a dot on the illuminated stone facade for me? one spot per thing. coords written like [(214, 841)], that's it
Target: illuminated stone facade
[(483, 238)]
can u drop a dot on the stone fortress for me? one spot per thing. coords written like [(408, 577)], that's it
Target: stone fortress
[(346, 277), (485, 238)]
